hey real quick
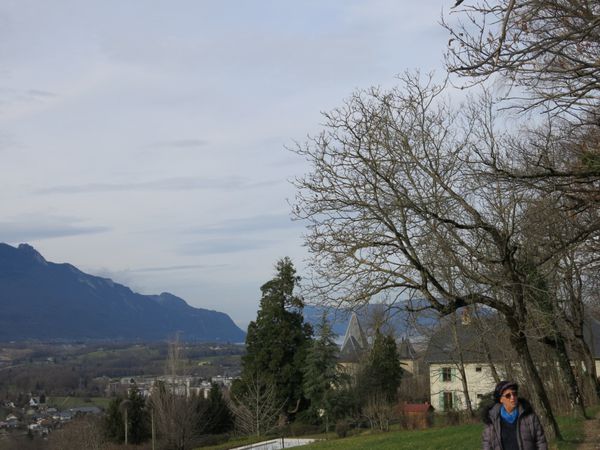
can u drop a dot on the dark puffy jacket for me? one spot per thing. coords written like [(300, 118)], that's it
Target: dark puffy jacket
[(529, 429)]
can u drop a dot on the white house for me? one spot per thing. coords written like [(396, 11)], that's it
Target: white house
[(456, 342), (462, 342)]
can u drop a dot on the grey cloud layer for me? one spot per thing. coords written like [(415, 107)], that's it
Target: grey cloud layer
[(178, 268), (9, 96), (31, 230), (222, 237), (265, 222), (166, 184), (179, 143), (221, 246)]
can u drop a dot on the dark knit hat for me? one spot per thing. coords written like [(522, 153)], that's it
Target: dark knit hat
[(502, 386)]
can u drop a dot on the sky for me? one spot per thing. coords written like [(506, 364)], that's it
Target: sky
[(148, 141)]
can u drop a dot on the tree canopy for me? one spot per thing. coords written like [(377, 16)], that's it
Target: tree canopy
[(321, 375), (549, 48), (277, 340)]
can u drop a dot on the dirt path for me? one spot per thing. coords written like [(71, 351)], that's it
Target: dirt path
[(592, 434)]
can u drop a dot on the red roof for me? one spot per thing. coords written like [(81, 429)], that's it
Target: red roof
[(417, 407)]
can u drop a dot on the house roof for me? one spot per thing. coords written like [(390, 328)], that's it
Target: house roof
[(456, 340), (355, 342), (417, 407)]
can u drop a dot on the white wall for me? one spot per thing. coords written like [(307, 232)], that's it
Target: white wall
[(479, 382)]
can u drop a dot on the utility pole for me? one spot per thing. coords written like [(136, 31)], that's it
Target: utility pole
[(124, 406)]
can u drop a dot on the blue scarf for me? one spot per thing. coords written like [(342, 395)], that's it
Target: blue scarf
[(509, 417)]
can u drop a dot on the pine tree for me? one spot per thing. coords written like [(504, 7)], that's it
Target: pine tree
[(383, 372), (113, 421), (218, 415), (138, 418), (277, 341), (321, 377)]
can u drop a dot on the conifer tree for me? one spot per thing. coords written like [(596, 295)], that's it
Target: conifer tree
[(113, 421), (321, 377), (383, 373), (218, 415), (138, 418), (277, 340)]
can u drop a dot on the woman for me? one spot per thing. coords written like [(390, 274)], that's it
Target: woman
[(511, 423)]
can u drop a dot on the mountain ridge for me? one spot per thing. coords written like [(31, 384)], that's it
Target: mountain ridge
[(57, 301)]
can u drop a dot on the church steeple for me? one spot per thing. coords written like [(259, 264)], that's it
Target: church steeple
[(355, 341)]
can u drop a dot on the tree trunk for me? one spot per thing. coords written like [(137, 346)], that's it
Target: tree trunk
[(590, 366), (539, 395), (488, 356), (461, 369), (463, 379), (557, 344)]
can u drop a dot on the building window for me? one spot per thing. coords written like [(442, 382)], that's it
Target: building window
[(446, 374), (477, 369), (448, 401)]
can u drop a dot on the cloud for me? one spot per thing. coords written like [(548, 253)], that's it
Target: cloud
[(264, 222), (8, 141), (40, 94), (179, 143), (178, 268), (32, 229), (166, 184), (223, 246), (10, 96)]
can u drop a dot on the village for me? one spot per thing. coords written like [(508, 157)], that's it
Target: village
[(448, 371)]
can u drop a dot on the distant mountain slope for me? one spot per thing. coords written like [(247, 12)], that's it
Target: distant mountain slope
[(48, 301)]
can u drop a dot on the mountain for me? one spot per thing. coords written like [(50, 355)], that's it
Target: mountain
[(47, 301)]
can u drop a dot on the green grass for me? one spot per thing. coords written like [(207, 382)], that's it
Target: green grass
[(237, 442), (462, 436), (572, 430), (438, 438), (74, 402)]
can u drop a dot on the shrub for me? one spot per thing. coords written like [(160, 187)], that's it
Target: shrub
[(452, 418), (341, 428), (300, 428)]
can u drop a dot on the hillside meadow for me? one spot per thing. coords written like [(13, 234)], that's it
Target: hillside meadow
[(466, 437)]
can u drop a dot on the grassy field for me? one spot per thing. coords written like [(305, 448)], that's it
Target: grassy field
[(451, 437), (572, 430), (459, 437)]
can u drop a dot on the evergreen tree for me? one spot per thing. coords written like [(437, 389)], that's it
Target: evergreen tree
[(321, 377), (276, 342), (219, 416), (382, 373), (113, 421), (138, 418)]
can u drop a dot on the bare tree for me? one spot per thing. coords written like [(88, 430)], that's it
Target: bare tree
[(401, 202), (549, 47), (256, 408), (378, 411), (177, 417), (83, 432), (176, 413)]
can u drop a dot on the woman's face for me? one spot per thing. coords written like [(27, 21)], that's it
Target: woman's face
[(509, 399)]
